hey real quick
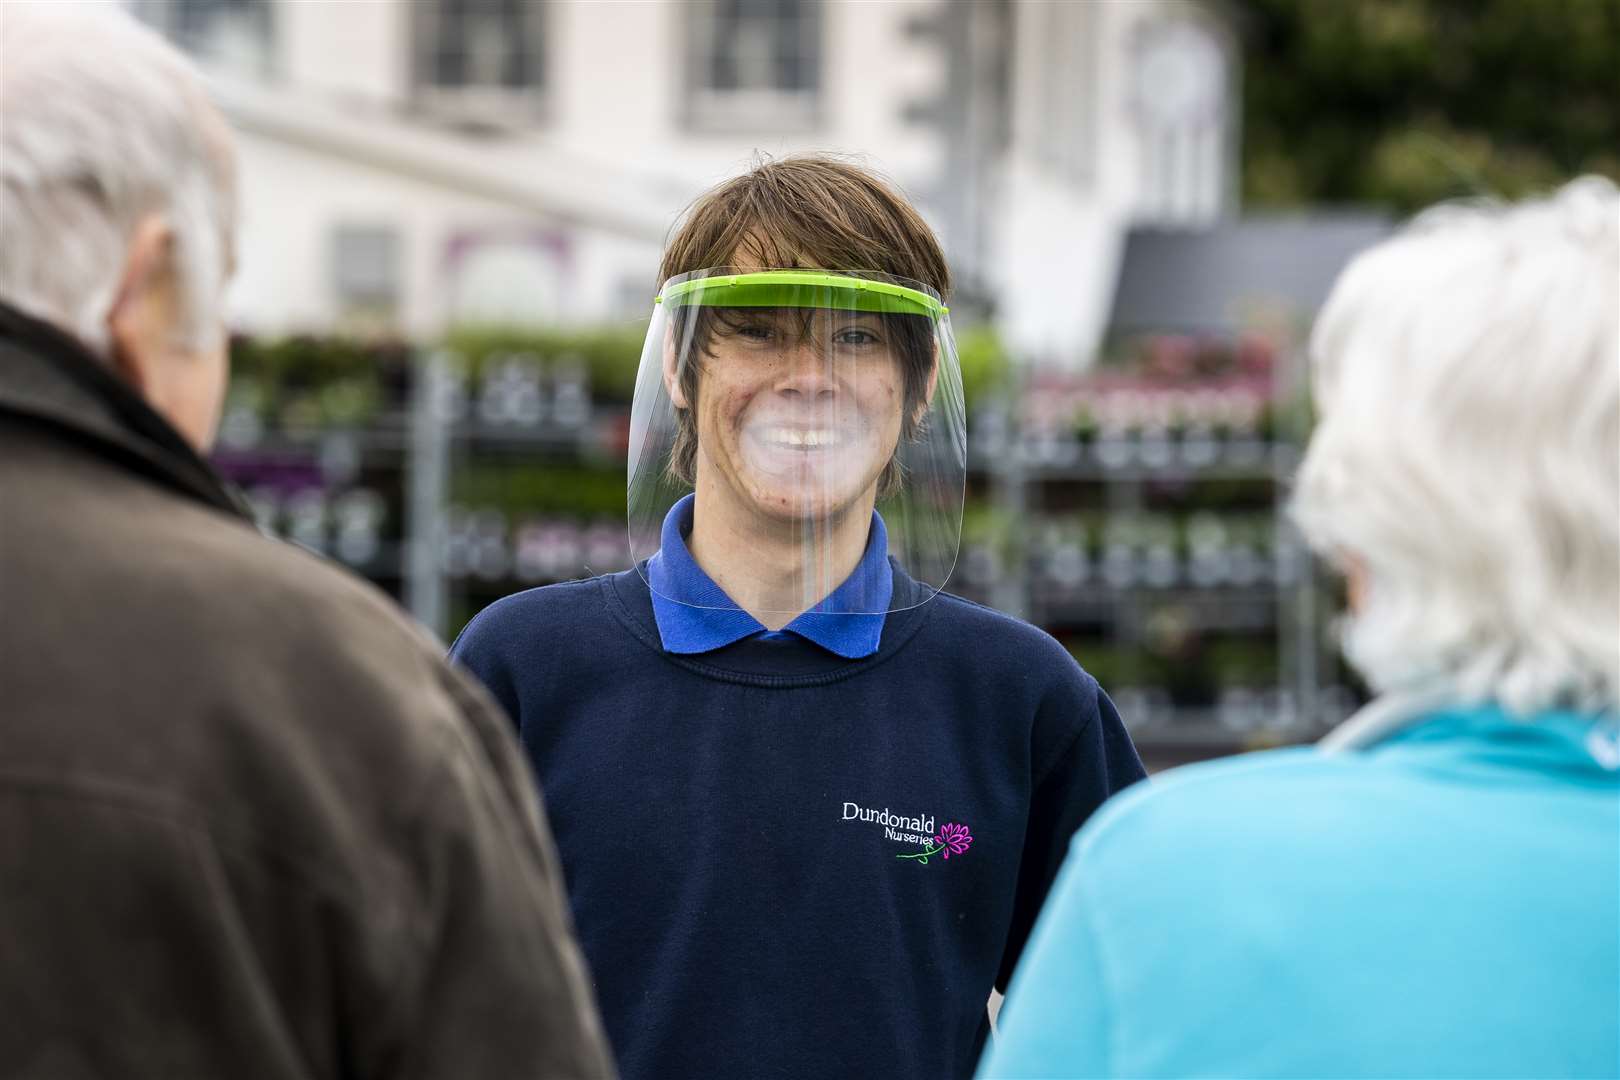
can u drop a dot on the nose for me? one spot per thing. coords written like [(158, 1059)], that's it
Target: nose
[(805, 373)]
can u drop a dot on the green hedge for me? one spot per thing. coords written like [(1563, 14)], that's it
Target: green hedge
[(610, 354), (309, 381)]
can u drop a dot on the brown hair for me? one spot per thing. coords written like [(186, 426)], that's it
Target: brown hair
[(812, 212)]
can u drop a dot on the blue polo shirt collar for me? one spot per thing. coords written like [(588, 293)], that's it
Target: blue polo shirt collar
[(694, 615)]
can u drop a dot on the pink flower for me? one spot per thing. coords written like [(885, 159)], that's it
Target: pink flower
[(953, 838)]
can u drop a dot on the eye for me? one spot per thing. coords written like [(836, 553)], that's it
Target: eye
[(855, 337), (754, 331)]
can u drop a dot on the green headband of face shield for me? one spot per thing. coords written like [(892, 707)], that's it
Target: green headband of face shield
[(802, 289)]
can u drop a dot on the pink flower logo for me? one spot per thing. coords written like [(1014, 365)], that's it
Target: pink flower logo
[(952, 839)]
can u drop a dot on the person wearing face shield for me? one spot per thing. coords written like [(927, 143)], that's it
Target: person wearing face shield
[(807, 803)]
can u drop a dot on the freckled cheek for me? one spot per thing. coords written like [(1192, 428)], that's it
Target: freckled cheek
[(881, 405), (733, 405), (725, 411)]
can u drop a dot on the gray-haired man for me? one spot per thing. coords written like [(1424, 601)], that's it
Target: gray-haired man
[(250, 824)]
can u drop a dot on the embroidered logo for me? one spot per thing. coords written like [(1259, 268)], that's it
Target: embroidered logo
[(952, 839), (949, 839)]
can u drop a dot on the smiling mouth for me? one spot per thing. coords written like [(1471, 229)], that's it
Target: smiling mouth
[(803, 438)]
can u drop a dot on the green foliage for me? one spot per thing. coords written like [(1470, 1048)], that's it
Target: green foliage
[(1405, 102), (611, 354), (305, 362), (549, 488), (985, 363), (311, 382)]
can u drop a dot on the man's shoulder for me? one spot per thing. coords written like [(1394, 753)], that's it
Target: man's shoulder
[(552, 621), (546, 601), (238, 657), (240, 584), (961, 615), (994, 638), (198, 599), (1016, 671), (553, 609)]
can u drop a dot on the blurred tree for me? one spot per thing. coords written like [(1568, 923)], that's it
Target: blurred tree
[(1403, 102)]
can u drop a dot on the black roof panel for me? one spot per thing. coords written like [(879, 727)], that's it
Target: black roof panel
[(1207, 280)]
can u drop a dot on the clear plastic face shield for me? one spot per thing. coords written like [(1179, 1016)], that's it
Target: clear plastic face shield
[(819, 418)]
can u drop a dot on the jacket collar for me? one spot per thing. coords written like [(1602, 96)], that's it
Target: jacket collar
[(1414, 721), (49, 378)]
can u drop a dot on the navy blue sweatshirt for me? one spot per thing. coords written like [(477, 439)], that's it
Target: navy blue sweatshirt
[(783, 863)]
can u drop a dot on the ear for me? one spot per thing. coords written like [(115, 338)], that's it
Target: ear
[(1355, 583), (672, 372), (137, 324)]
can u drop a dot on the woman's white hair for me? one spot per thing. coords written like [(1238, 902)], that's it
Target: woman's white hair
[(102, 123), (1467, 459)]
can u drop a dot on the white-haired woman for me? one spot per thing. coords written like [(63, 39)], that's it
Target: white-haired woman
[(1434, 891)]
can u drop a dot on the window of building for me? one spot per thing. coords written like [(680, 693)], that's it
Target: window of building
[(233, 34), (753, 64), (481, 61), (1183, 89)]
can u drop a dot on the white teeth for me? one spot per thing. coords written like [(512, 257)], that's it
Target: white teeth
[(797, 437)]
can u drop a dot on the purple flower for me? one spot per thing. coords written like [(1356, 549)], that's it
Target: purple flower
[(953, 838)]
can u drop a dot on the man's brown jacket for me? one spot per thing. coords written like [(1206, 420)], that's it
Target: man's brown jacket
[(250, 823)]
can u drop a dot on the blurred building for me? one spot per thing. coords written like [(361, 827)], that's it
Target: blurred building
[(407, 165)]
